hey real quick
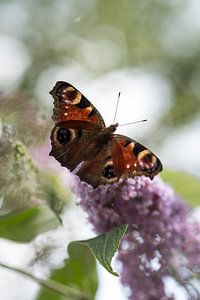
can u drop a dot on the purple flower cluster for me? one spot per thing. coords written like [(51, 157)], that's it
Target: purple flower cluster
[(161, 241)]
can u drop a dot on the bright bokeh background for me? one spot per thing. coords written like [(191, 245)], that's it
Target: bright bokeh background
[(148, 50)]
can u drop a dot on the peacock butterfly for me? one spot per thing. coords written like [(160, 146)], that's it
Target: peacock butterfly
[(80, 136)]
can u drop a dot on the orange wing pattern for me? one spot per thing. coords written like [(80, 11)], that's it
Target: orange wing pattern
[(137, 159), (71, 105)]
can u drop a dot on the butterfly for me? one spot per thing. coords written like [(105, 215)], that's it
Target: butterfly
[(80, 138)]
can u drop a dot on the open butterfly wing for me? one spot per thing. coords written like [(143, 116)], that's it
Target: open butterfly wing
[(138, 160), (71, 105)]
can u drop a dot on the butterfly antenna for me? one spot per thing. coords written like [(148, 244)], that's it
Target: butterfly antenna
[(140, 121), (116, 107)]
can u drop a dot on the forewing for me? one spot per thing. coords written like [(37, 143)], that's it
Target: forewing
[(138, 160), (71, 105)]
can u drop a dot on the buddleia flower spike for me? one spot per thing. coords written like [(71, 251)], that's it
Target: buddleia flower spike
[(162, 241)]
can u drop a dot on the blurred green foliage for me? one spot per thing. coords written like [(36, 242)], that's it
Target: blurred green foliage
[(78, 272), (23, 226), (22, 183), (185, 184), (18, 175), (57, 195)]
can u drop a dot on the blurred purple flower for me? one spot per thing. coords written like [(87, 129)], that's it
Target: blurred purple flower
[(161, 240)]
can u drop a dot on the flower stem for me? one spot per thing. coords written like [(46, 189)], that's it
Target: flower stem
[(51, 284)]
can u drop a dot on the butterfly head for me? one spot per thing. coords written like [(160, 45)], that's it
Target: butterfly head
[(112, 128), (105, 135)]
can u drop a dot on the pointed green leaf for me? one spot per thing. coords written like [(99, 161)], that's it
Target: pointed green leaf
[(104, 246), (79, 273), (186, 185), (23, 226)]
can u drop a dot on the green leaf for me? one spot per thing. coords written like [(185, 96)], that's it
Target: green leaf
[(186, 185), (78, 272), (25, 225), (104, 246)]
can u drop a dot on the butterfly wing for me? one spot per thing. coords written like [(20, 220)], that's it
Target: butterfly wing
[(137, 159), (100, 170), (71, 106), (121, 158), (77, 123)]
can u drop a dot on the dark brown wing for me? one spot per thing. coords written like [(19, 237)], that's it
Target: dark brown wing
[(69, 145), (77, 123), (137, 159), (100, 170)]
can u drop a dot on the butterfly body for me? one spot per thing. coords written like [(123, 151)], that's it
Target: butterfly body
[(80, 136)]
